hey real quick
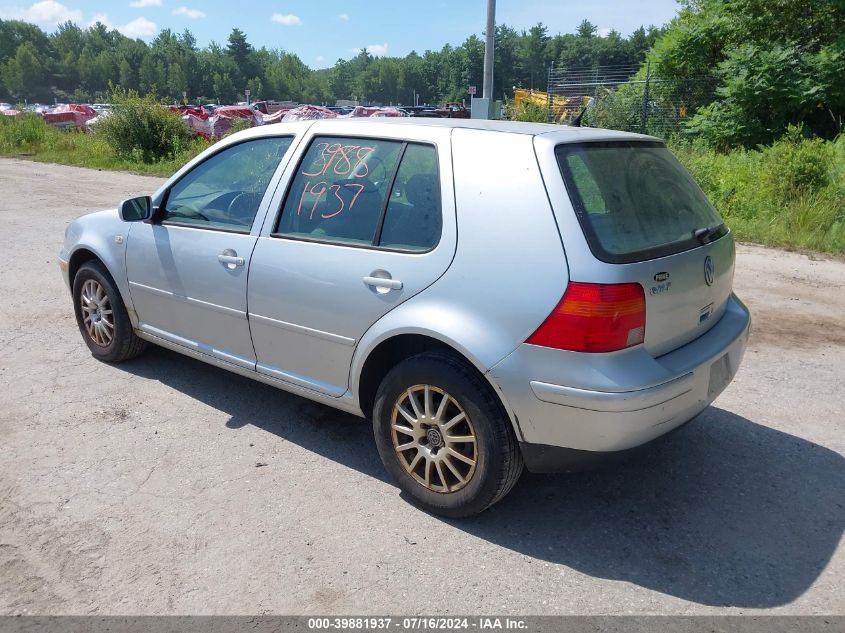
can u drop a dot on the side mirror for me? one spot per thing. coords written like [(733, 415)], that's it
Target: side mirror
[(136, 209)]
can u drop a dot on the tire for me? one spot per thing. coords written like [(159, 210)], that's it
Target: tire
[(111, 339), (497, 461)]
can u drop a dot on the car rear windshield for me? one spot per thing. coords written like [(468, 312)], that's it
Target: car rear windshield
[(635, 201)]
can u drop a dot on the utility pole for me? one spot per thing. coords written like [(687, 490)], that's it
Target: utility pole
[(487, 91)]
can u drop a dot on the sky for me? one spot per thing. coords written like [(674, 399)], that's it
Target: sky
[(322, 31)]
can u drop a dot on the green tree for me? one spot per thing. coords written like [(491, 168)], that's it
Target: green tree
[(533, 57), (471, 55), (177, 82), (77, 63), (24, 74), (224, 88), (151, 75), (127, 77), (586, 29), (13, 33), (506, 64), (340, 80), (775, 63), (256, 89), (242, 54)]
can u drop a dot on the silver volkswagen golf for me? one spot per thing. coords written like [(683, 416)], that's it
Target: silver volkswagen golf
[(492, 295)]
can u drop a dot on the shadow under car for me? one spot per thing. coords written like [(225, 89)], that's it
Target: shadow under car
[(725, 512)]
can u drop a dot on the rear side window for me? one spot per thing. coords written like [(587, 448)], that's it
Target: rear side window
[(634, 200), (365, 192), (413, 217)]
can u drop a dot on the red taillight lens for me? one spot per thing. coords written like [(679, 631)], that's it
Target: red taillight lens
[(595, 318)]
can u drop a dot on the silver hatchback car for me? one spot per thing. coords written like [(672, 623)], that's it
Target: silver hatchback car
[(490, 294)]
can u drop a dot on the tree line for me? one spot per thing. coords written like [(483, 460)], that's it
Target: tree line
[(75, 64)]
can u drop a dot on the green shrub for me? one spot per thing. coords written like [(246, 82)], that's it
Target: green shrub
[(238, 125), (790, 193), (529, 112), (22, 132), (794, 165), (140, 129), (616, 109)]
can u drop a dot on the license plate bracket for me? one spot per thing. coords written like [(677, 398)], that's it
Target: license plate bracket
[(720, 376)]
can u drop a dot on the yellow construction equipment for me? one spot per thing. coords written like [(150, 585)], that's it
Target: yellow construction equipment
[(561, 107)]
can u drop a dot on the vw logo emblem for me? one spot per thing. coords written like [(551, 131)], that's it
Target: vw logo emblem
[(434, 438), (709, 271)]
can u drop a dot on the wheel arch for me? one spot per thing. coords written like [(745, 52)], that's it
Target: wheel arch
[(80, 256), (84, 253), (395, 347)]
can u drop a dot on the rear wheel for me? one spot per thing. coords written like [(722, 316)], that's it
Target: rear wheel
[(444, 436), (102, 317)]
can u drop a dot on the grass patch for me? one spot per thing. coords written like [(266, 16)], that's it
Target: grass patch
[(28, 136), (790, 194)]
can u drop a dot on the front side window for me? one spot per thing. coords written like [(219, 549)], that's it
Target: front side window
[(224, 192), (365, 192)]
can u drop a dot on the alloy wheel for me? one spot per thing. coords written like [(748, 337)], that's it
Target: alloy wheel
[(434, 438), (97, 315)]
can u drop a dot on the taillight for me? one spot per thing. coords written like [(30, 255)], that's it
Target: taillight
[(595, 318)]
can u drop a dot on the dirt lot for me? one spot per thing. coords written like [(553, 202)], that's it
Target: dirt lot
[(141, 488)]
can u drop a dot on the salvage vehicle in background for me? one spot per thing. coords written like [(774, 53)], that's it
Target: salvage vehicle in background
[(490, 294), (454, 110)]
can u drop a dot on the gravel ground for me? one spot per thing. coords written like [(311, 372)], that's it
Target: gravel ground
[(165, 485)]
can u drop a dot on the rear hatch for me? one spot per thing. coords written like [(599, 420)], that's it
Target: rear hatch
[(643, 219)]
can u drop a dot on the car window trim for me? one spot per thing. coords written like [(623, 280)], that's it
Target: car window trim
[(383, 213), (199, 227), (369, 247), (274, 233), (165, 197)]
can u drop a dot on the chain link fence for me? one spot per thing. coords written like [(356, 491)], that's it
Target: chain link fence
[(626, 97)]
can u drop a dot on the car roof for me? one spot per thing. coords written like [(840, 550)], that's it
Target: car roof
[(558, 133)]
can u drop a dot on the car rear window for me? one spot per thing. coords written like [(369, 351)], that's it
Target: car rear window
[(635, 201)]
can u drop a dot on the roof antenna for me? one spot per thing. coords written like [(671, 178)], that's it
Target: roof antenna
[(576, 122)]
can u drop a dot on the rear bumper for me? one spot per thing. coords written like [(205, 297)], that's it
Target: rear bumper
[(542, 458), (604, 403)]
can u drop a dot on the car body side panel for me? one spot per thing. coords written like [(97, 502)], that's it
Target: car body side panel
[(509, 270), (104, 234), (308, 303), (182, 292)]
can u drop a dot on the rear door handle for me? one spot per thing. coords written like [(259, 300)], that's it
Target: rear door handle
[(381, 282)]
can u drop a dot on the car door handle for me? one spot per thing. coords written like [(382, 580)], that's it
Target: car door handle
[(230, 260), (381, 282)]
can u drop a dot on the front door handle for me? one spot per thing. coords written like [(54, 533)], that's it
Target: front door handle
[(381, 282), (230, 258)]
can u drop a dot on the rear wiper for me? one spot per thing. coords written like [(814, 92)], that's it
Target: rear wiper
[(704, 235)]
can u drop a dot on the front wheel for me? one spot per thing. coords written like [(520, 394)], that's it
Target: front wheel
[(444, 436), (102, 317)]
